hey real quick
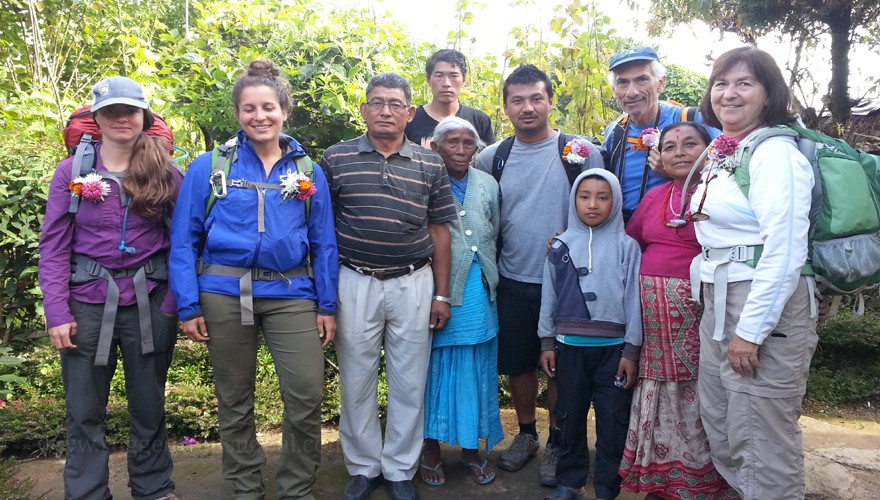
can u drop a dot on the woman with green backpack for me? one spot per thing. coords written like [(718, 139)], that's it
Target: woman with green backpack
[(758, 332), (253, 251)]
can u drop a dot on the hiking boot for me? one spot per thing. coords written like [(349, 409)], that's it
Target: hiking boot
[(547, 472), (523, 448)]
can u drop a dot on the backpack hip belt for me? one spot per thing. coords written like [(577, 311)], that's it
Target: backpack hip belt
[(246, 277), (84, 269), (723, 257), (746, 254)]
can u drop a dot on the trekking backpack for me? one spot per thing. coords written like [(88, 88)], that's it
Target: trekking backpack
[(80, 135), (503, 152), (844, 249), (227, 154)]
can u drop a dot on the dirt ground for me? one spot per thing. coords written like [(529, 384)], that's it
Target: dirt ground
[(197, 468)]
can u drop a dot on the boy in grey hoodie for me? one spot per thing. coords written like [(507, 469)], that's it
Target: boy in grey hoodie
[(591, 333)]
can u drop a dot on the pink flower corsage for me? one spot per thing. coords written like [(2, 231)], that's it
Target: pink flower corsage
[(297, 185), (649, 138), (91, 187), (722, 150), (576, 151)]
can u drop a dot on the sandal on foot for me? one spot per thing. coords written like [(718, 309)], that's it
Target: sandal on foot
[(476, 469), (437, 469)]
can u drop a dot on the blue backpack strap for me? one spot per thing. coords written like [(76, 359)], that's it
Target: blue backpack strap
[(83, 163)]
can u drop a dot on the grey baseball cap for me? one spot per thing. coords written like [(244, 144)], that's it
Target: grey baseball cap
[(119, 90)]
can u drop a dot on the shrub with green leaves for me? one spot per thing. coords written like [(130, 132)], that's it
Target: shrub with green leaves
[(13, 484), (25, 170), (845, 368)]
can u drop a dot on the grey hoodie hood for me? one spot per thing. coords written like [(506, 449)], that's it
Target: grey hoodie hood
[(606, 233)]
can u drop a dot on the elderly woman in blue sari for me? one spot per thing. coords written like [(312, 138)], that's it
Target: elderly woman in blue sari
[(461, 400)]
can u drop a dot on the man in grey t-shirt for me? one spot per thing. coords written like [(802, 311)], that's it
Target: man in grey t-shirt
[(535, 192)]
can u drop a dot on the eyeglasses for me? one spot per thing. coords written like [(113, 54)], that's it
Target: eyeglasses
[(394, 106), (699, 215)]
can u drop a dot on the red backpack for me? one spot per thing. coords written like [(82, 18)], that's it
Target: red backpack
[(80, 135), (81, 123)]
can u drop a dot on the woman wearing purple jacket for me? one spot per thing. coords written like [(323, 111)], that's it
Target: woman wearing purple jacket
[(104, 277)]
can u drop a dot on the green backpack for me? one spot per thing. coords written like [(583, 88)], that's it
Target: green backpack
[(844, 251)]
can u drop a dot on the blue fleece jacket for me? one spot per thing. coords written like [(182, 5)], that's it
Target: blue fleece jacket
[(229, 234), (591, 278)]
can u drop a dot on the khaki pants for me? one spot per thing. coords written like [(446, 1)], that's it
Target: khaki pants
[(289, 328), (751, 422), (395, 313)]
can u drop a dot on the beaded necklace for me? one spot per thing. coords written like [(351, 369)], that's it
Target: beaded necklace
[(679, 220)]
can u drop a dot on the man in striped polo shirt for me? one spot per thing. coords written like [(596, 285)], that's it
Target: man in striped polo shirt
[(392, 201)]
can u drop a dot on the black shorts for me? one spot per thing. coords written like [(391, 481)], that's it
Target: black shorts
[(519, 307)]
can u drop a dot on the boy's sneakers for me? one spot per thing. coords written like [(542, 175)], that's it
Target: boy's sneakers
[(523, 448), (547, 472)]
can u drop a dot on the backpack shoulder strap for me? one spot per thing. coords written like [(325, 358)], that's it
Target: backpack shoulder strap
[(689, 114), (744, 154), (571, 171), (305, 166), (83, 163), (227, 155), (500, 158), (618, 145)]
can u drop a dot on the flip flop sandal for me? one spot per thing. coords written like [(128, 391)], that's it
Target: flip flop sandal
[(472, 467), (437, 469)]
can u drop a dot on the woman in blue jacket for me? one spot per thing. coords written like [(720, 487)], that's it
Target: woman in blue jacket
[(253, 250)]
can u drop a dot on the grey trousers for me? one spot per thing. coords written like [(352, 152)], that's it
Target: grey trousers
[(289, 328), (751, 422), (87, 388), (393, 313)]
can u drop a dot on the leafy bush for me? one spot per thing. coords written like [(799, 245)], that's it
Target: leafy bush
[(7, 377), (683, 85), (845, 368), (25, 170), (13, 485)]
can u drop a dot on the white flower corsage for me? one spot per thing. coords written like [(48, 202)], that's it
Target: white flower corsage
[(296, 185), (576, 151)]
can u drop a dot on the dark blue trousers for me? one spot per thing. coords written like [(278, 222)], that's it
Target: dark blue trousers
[(87, 388), (584, 376)]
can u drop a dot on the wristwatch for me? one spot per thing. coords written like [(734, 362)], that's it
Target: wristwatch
[(441, 298)]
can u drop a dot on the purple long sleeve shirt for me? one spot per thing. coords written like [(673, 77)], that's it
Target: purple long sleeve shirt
[(95, 231)]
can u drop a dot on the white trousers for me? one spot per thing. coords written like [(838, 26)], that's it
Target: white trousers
[(370, 313)]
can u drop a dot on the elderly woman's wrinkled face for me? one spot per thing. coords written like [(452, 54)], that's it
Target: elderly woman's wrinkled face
[(738, 100), (457, 151)]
